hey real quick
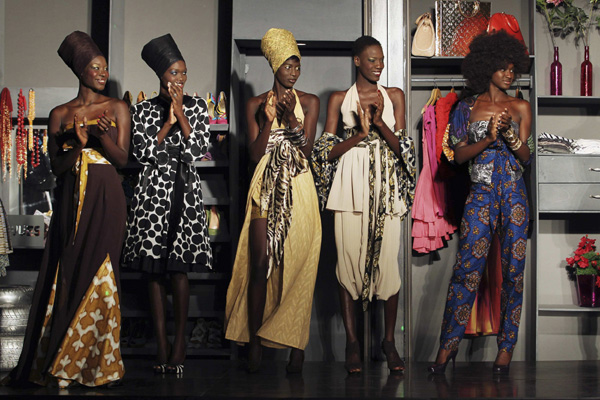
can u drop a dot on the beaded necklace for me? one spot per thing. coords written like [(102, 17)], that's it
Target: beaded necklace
[(6, 132), (30, 118), (35, 152), (45, 141), (21, 137)]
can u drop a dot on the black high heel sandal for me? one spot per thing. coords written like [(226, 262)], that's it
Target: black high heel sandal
[(441, 368), (501, 369), (353, 367), (394, 361)]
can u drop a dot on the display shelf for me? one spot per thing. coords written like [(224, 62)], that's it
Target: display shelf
[(150, 350), (215, 201), (193, 313), (192, 276), (565, 308), (218, 127), (211, 164), (567, 101)]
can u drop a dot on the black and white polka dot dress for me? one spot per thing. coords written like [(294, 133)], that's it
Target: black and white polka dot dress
[(167, 228)]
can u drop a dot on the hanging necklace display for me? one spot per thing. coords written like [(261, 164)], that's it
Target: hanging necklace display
[(6, 132), (35, 151), (21, 137), (30, 118)]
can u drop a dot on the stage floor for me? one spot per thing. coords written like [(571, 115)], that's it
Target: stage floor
[(207, 379)]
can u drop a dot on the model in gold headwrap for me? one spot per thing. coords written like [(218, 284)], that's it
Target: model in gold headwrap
[(269, 299)]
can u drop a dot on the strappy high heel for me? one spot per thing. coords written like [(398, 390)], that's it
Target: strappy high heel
[(211, 102), (159, 369), (176, 369), (394, 361), (221, 109), (441, 368), (353, 367)]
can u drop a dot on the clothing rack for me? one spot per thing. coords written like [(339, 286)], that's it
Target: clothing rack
[(428, 82)]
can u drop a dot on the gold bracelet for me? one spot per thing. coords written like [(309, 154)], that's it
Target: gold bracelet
[(514, 146), (510, 135)]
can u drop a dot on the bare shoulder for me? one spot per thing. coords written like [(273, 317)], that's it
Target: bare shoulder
[(522, 106), (117, 104), (307, 99), (337, 97), (256, 101), (395, 93)]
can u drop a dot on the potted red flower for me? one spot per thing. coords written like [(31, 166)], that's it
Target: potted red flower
[(583, 268)]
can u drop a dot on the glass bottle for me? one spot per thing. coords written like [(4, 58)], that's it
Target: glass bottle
[(586, 74), (556, 75)]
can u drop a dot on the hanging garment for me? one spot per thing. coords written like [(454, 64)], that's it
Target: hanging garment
[(429, 224)]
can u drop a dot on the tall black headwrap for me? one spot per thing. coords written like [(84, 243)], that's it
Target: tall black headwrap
[(77, 50), (161, 53)]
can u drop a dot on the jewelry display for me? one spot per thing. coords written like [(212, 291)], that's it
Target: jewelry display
[(21, 137), (6, 109)]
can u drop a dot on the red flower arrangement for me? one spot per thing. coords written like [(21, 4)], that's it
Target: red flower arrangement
[(585, 261)]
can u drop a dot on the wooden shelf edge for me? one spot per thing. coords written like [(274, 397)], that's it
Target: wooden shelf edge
[(204, 276)]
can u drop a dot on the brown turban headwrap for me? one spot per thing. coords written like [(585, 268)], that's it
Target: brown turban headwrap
[(77, 50), (277, 46), (161, 53)]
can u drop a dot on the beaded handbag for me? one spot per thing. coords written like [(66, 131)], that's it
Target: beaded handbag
[(457, 23)]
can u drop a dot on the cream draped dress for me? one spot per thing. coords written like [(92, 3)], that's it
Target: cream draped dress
[(290, 286), (354, 223)]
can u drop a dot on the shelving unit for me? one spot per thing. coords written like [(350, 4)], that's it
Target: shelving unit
[(565, 210)]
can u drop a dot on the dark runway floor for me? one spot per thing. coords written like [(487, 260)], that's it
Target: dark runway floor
[(206, 379)]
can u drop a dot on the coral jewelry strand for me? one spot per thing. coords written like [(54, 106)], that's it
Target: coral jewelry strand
[(35, 152), (45, 142), (30, 118), (21, 137), (6, 109)]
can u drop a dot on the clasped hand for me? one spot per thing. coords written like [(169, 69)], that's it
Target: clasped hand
[(499, 124), (282, 109)]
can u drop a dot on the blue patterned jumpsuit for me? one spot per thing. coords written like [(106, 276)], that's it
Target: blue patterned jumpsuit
[(497, 202)]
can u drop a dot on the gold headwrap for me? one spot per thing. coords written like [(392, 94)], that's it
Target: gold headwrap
[(277, 46)]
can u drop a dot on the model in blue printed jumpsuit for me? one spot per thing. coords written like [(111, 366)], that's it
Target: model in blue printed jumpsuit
[(492, 131)]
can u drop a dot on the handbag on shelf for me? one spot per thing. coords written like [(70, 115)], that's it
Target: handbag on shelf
[(507, 23), (423, 43), (457, 23)]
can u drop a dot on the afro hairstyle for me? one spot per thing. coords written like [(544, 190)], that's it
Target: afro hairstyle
[(490, 52)]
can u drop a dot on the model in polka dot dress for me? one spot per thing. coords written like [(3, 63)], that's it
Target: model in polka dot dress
[(167, 234)]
